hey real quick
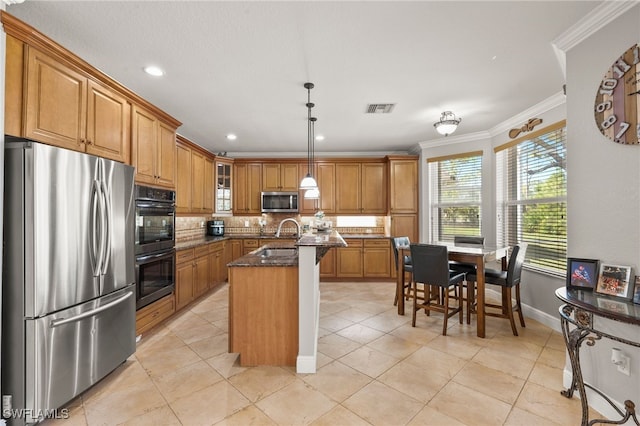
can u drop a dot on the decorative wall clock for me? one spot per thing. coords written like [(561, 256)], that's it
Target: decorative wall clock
[(617, 105)]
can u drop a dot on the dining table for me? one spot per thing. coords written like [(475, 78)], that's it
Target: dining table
[(463, 253)]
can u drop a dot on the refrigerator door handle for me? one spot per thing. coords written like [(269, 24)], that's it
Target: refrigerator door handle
[(107, 225), (57, 323), (95, 243)]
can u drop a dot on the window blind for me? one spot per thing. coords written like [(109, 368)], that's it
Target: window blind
[(455, 195), (531, 196)]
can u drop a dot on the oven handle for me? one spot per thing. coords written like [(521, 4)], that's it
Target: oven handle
[(151, 257), (90, 313), (157, 205)]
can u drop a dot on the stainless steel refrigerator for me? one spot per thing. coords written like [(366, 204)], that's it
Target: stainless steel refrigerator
[(68, 275)]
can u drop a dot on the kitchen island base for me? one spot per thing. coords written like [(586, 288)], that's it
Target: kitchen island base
[(263, 315)]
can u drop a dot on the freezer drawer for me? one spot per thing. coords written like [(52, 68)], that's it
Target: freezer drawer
[(71, 350)]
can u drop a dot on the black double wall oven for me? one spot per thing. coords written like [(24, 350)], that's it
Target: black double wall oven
[(154, 243)]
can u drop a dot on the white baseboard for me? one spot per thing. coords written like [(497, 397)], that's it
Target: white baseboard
[(544, 318), (306, 364)]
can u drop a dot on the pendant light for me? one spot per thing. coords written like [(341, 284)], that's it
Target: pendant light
[(309, 182), (312, 193)]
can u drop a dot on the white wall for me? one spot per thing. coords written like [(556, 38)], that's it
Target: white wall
[(603, 191)]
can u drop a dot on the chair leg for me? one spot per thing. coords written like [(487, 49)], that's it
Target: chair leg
[(460, 303), (509, 307), (415, 302), (471, 299), (519, 306), (446, 311)]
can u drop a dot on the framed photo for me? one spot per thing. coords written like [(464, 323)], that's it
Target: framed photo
[(582, 274), (615, 280), (616, 306), (636, 292)]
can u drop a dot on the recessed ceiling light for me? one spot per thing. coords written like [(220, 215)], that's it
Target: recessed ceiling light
[(154, 71), (232, 137), (319, 138)]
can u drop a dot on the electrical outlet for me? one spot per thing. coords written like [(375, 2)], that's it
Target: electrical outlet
[(246, 223), (625, 365), (202, 224)]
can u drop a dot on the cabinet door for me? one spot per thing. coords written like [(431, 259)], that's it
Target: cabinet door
[(376, 258), (254, 187), (165, 167), (56, 102), (208, 185), (289, 177), (328, 264), (223, 187), (143, 145), (327, 187), (403, 187), (197, 181), (374, 188), (240, 196), (348, 188), (349, 262), (184, 284), (236, 249), (405, 225), (271, 177), (108, 123), (201, 276), (183, 179)]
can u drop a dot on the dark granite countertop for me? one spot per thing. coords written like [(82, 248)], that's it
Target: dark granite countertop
[(183, 245), (256, 259)]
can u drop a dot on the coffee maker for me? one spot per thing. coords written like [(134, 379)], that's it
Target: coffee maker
[(215, 228)]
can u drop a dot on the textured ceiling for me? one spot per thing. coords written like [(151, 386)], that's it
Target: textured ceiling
[(240, 66)]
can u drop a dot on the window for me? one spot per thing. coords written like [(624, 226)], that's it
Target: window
[(455, 195), (531, 195)]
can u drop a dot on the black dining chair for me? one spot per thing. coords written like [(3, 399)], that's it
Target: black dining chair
[(406, 266), (469, 286), (507, 280), (431, 269)]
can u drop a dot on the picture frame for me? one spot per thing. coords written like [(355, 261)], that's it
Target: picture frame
[(615, 280), (611, 305), (582, 274), (636, 291)]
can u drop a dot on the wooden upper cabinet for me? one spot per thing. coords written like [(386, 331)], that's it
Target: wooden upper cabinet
[(153, 146), (183, 178), (247, 185), (208, 186), (66, 108), (280, 177), (197, 181), (361, 188), (223, 185), (108, 123), (56, 102), (403, 184)]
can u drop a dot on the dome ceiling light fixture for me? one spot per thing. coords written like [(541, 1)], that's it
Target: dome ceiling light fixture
[(308, 182), (448, 123)]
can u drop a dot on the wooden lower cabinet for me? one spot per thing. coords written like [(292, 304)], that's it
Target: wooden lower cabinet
[(328, 264), (249, 245), (184, 278), (349, 260), (236, 249), (154, 313), (217, 265), (201, 271), (376, 257)]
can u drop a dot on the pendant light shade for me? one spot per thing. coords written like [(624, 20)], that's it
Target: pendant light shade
[(308, 182), (312, 194)]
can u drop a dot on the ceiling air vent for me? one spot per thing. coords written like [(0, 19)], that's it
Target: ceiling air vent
[(380, 108)]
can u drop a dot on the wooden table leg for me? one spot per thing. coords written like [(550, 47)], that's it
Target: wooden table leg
[(480, 300)]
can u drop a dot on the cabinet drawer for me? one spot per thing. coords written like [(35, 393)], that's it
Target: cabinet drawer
[(251, 243), (201, 250), (216, 246), (353, 242), (184, 255), (376, 243), (151, 315)]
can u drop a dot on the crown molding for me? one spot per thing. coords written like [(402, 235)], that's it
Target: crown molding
[(590, 24), (548, 104), (451, 140)]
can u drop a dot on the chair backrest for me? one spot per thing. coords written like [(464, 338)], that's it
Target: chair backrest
[(468, 240), (516, 260), (430, 264), (399, 242)]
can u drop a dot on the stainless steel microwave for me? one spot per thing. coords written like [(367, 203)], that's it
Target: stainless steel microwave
[(279, 202)]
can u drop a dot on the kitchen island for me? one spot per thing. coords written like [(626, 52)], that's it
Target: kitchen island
[(274, 302)]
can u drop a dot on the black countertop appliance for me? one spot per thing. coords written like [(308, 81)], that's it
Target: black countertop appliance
[(215, 228)]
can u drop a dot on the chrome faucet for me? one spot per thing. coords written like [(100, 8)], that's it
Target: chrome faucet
[(289, 219)]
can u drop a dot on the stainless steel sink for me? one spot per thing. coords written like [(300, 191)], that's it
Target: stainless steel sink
[(279, 252)]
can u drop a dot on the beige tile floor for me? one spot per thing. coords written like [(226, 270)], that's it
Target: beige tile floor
[(373, 368)]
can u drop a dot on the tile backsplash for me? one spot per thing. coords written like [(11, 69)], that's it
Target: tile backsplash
[(190, 228)]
